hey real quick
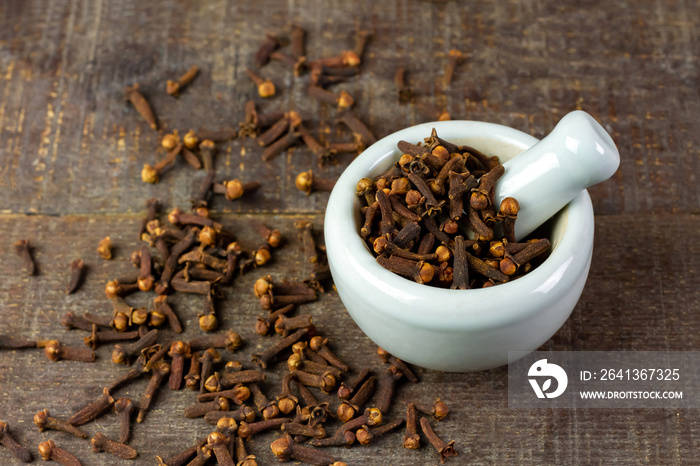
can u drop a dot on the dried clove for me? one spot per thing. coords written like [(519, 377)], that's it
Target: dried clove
[(192, 378), (348, 409), (122, 354), (400, 365), (264, 358), (453, 57), (230, 379), (411, 440), (286, 449), (76, 276), (244, 413), (308, 183), (234, 189), (247, 430), (438, 410), (124, 407), (264, 324), (92, 410), (43, 421), (160, 370), (160, 304), (269, 45), (200, 409), (347, 389), (405, 92), (277, 147), (228, 340), (23, 250), (179, 351), (445, 450), (265, 87), (8, 342), (184, 457), (141, 105), (326, 381), (267, 408), (285, 325), (366, 435), (219, 444), (298, 45), (17, 450), (387, 386), (101, 443), (55, 351), (242, 457), (341, 100), (357, 127), (320, 345), (174, 87), (305, 430), (50, 452)]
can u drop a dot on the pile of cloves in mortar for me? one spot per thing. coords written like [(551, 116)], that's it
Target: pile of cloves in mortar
[(431, 217)]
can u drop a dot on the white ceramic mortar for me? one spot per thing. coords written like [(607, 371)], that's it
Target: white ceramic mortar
[(467, 330)]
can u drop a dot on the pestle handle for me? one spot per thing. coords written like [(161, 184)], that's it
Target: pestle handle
[(578, 153)]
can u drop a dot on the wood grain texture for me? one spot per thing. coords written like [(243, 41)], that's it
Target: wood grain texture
[(71, 152)]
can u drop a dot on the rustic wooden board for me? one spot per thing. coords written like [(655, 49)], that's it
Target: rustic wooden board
[(71, 152)]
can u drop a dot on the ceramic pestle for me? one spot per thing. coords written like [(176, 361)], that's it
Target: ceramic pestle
[(578, 153)]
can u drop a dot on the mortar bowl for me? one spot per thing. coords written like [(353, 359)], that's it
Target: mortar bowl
[(455, 330)]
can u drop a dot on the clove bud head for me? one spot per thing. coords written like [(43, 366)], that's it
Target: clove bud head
[(149, 174)]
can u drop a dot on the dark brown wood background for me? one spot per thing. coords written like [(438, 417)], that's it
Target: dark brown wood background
[(71, 152)]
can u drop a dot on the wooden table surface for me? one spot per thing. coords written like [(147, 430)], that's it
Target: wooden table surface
[(71, 152)]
